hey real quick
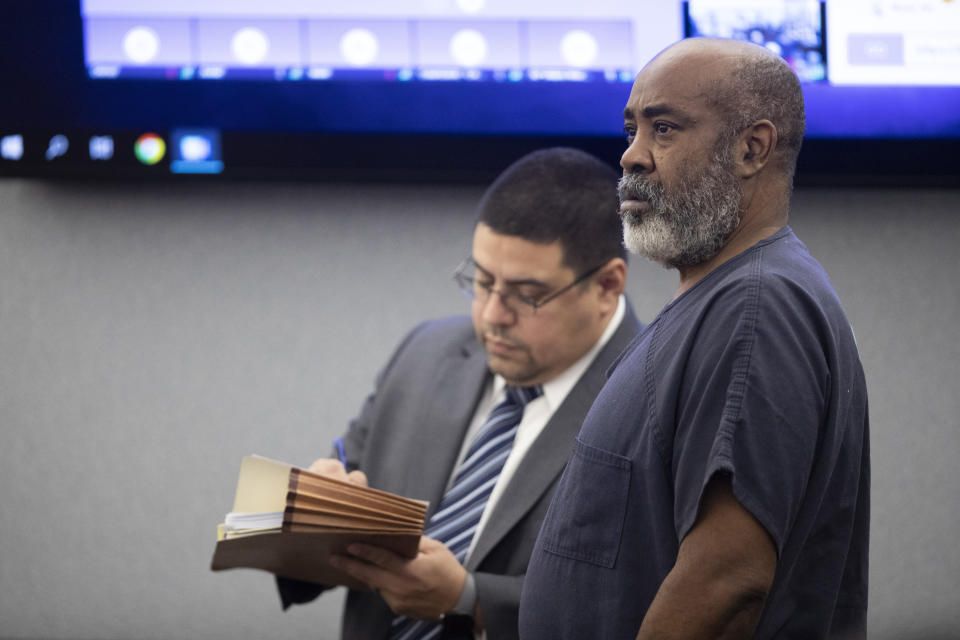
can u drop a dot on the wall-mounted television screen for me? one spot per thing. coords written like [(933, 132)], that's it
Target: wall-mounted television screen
[(443, 88)]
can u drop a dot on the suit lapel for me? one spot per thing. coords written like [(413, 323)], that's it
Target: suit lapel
[(460, 382), (548, 454)]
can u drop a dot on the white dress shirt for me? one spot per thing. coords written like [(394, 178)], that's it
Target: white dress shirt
[(535, 415)]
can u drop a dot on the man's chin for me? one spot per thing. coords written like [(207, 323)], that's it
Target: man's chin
[(631, 217), (516, 374), (643, 243)]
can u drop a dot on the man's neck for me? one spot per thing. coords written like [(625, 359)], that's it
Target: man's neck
[(762, 218)]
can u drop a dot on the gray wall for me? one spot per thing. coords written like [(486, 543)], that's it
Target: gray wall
[(152, 335)]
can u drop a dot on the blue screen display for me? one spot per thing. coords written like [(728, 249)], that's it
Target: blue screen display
[(105, 73)]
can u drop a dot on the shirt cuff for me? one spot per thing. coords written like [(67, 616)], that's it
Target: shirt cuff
[(468, 597)]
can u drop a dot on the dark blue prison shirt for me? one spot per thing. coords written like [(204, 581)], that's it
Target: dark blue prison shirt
[(752, 372)]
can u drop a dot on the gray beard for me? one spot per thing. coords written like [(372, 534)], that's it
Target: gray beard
[(688, 225)]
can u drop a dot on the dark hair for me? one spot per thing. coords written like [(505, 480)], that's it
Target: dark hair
[(763, 86), (559, 194)]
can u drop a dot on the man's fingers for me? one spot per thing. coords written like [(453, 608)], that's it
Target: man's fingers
[(358, 477), (370, 574), (328, 467), (360, 570), (377, 556), (423, 587), (333, 468)]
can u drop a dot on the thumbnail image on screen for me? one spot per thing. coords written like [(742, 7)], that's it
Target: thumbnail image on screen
[(792, 29), (477, 40)]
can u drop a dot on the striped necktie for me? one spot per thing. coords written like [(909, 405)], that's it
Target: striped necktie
[(458, 514)]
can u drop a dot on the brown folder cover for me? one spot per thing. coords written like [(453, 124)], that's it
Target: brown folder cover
[(321, 516), (303, 555)]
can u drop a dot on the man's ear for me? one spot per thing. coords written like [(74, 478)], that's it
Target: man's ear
[(613, 279), (754, 148)]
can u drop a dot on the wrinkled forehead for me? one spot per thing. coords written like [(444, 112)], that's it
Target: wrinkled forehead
[(663, 89)]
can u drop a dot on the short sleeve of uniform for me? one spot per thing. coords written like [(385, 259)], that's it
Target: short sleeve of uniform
[(751, 402)]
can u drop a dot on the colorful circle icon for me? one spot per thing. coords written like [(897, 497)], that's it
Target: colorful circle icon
[(150, 148)]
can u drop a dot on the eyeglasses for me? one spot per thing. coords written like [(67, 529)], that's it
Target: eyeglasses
[(480, 290)]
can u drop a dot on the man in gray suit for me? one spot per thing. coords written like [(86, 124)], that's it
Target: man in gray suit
[(546, 278)]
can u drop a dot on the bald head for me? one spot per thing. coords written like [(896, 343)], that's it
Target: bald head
[(743, 83), (714, 48)]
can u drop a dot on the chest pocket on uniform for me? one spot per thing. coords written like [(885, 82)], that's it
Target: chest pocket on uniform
[(585, 520)]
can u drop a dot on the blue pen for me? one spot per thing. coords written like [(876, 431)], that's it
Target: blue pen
[(341, 452)]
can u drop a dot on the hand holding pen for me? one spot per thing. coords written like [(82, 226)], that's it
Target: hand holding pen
[(337, 467)]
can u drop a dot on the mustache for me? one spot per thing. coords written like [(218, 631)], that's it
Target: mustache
[(636, 187), (502, 335)]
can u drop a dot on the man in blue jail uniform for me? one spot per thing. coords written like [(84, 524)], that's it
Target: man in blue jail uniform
[(719, 487)]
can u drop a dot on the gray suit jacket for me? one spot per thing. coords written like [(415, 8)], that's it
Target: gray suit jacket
[(407, 439)]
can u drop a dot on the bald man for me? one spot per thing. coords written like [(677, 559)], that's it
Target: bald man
[(719, 486)]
